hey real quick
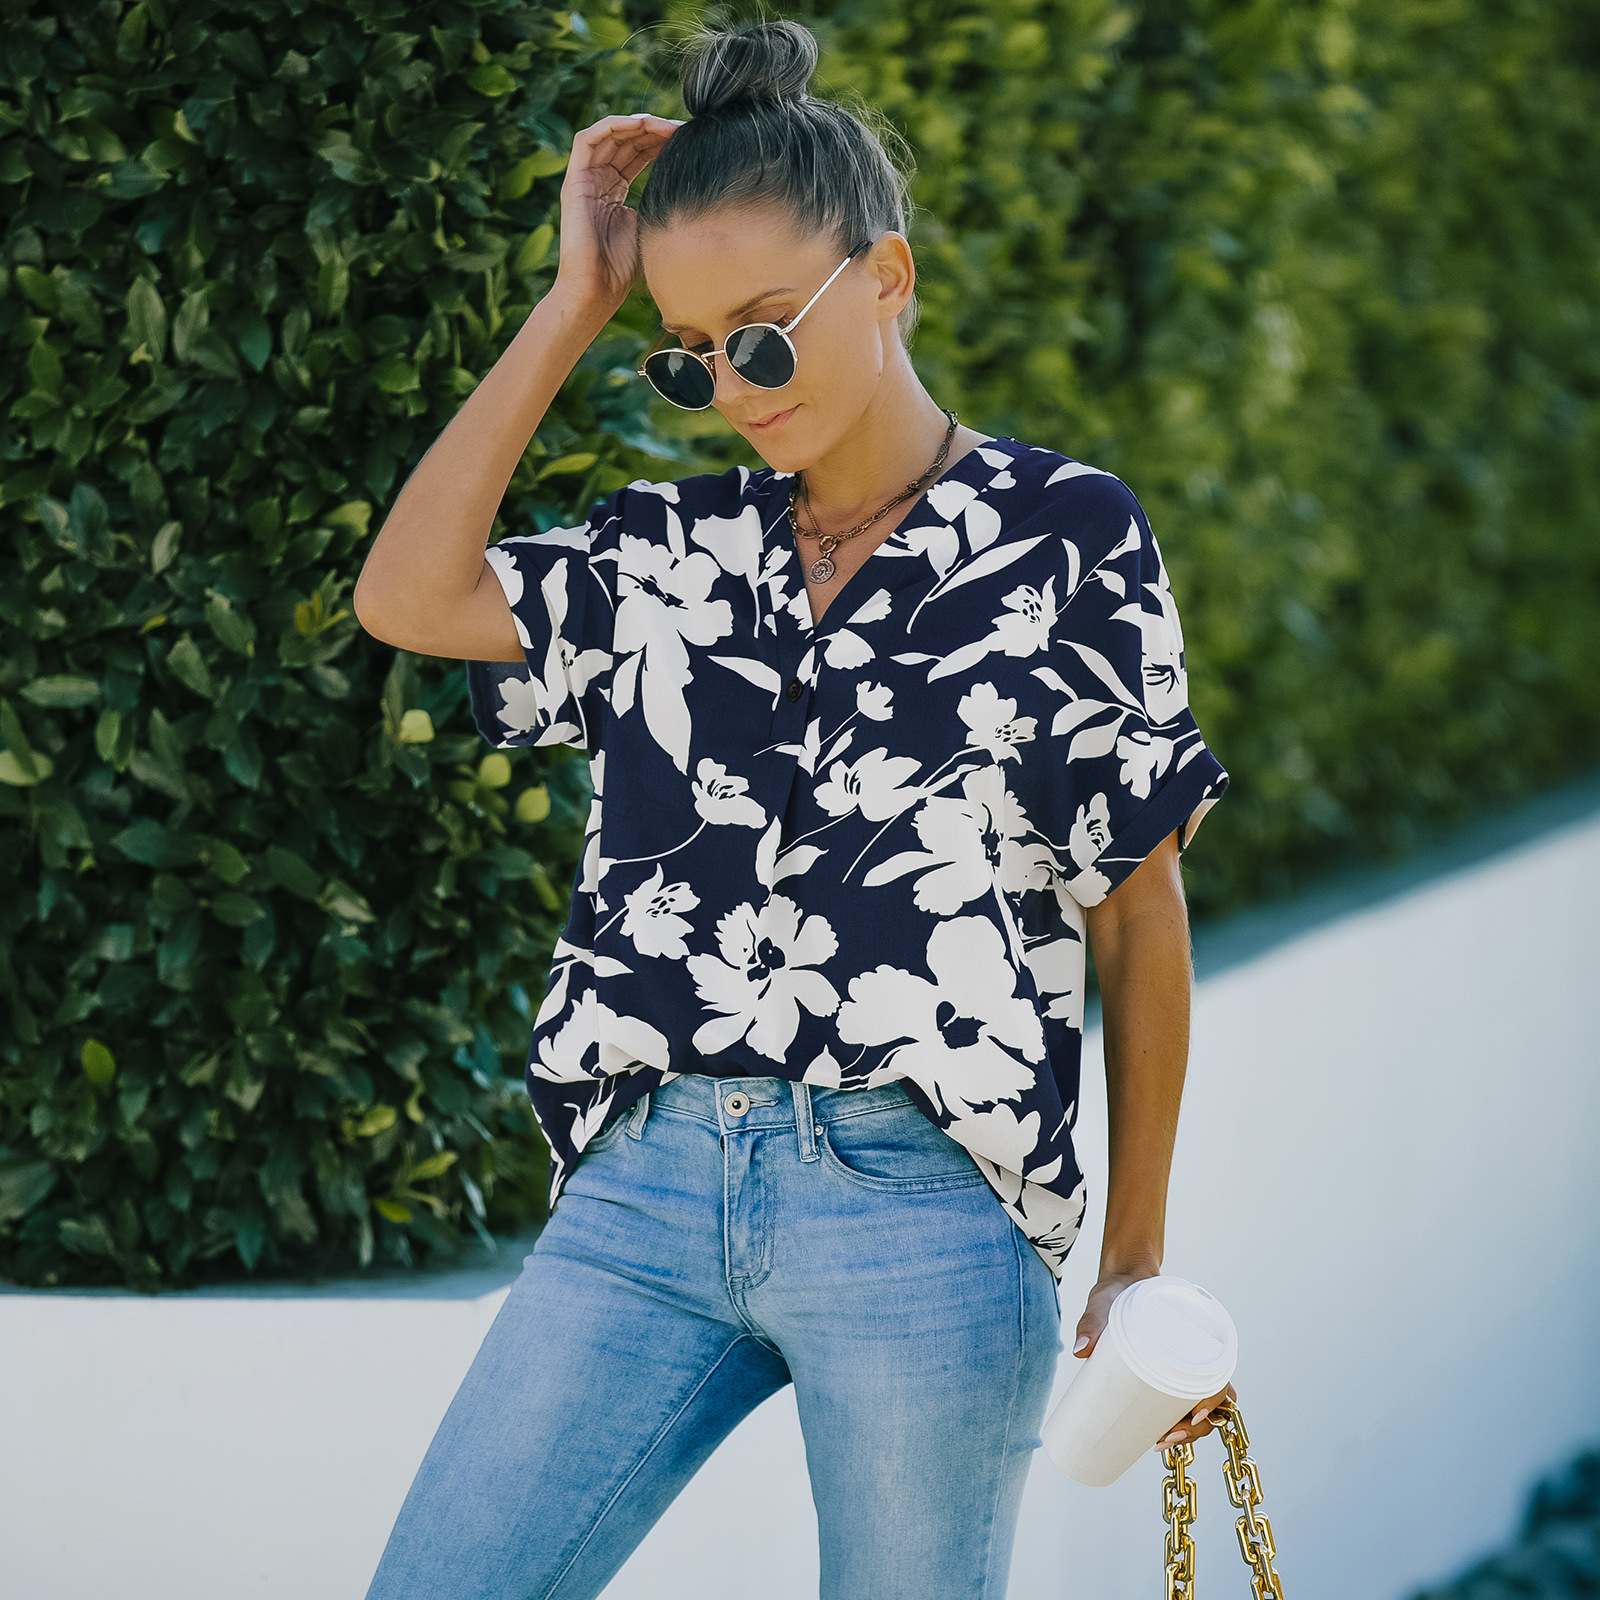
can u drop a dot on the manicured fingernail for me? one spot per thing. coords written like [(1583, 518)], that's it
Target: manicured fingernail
[(1172, 1438), (1201, 1414), (1082, 1344)]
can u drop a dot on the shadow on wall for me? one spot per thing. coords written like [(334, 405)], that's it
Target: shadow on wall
[(1558, 1554)]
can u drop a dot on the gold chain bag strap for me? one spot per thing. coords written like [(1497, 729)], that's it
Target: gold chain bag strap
[(1244, 1490)]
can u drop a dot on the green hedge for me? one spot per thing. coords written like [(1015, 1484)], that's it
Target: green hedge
[(271, 921), (1320, 280)]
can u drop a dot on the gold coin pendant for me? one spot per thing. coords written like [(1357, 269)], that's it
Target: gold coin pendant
[(821, 570)]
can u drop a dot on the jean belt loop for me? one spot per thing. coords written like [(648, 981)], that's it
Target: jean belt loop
[(641, 1110), (805, 1121)]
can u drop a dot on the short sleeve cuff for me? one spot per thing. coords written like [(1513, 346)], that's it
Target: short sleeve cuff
[(1178, 806)]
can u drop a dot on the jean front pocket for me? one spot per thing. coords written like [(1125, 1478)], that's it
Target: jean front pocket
[(896, 1148)]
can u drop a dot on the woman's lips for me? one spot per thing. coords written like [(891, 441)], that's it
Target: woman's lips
[(774, 422)]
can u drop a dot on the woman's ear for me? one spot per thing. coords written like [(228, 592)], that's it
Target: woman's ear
[(891, 262)]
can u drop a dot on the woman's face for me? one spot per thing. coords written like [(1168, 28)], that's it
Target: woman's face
[(730, 268)]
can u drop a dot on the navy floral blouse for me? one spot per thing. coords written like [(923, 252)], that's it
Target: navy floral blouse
[(856, 852)]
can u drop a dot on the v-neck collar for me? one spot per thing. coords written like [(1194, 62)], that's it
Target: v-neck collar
[(962, 471)]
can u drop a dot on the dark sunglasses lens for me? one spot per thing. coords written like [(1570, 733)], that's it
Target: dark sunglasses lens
[(761, 356), (681, 379)]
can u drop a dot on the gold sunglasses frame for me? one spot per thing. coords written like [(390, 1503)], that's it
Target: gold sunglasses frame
[(705, 358)]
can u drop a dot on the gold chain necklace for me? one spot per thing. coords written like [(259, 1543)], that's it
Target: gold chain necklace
[(823, 568)]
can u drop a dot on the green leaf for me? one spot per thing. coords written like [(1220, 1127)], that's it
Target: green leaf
[(23, 1185), (44, 366), (391, 1210), (292, 872), (416, 727), (435, 1166), (492, 79), (39, 287), (375, 1121), (147, 319), (236, 630), (494, 771), (19, 774), (165, 546), (189, 667), (534, 249), (340, 900), (190, 325), (99, 1065), (396, 375), (152, 845), (20, 764), (61, 692), (533, 805), (236, 910), (355, 514), (580, 461), (224, 860)]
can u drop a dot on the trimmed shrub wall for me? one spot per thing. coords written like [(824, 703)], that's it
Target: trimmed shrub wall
[(1319, 280), (272, 921)]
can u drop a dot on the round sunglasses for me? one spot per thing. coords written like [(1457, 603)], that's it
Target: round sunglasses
[(760, 352)]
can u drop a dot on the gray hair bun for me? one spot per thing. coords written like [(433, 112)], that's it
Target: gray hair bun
[(769, 62)]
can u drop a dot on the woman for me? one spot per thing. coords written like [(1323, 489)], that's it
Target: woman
[(879, 733)]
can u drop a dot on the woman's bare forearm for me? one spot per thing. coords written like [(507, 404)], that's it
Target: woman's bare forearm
[(1141, 952), (426, 565)]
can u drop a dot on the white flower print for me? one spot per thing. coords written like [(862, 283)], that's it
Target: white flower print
[(1091, 832), (960, 1037), (971, 847), (874, 701), (872, 784), (652, 919), (1166, 683), (877, 607), (1022, 629), (1143, 757), (720, 797), (595, 1042), (589, 874), (847, 649), (763, 978), (735, 542), (998, 1134), (1057, 966), (520, 710), (993, 723), (663, 601), (1048, 1220), (1031, 614)]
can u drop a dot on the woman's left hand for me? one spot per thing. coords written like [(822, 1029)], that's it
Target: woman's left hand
[(1092, 1324)]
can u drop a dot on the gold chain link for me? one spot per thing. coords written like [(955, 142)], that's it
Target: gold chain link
[(1243, 1481), (1180, 1506)]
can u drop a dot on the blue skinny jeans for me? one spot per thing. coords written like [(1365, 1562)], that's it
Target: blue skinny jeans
[(699, 1259)]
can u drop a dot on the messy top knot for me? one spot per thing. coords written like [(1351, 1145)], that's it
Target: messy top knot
[(757, 137), (770, 61)]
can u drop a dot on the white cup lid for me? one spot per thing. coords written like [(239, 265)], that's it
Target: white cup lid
[(1175, 1336)]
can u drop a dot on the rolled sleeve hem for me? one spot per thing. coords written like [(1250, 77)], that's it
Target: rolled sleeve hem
[(1180, 803)]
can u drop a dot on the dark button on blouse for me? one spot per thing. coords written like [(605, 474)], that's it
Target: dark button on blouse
[(887, 883)]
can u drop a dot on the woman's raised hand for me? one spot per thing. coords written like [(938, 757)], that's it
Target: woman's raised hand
[(599, 231)]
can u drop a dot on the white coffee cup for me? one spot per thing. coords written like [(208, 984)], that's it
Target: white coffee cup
[(1167, 1344)]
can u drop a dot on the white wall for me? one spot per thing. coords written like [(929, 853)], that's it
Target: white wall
[(1387, 1170)]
